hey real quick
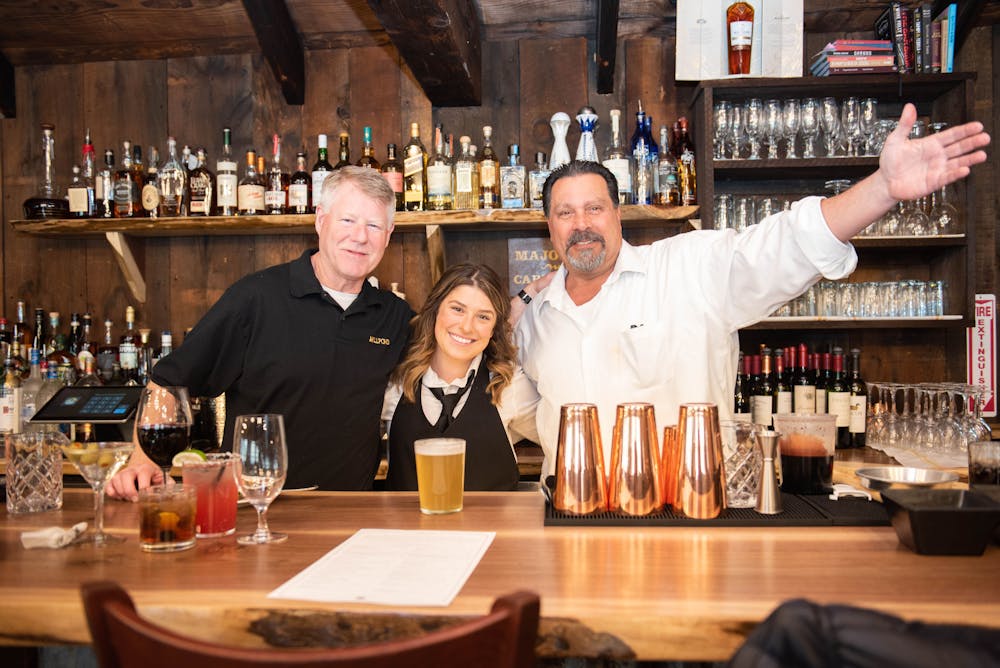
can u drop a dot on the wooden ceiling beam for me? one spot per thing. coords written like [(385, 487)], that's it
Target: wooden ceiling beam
[(8, 106), (607, 45), (440, 42), (279, 42)]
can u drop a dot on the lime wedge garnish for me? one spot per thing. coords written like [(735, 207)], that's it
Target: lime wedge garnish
[(191, 456)]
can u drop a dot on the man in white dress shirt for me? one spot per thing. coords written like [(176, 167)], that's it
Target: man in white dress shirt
[(659, 323)]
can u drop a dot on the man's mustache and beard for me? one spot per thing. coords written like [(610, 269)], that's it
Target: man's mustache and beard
[(586, 260)]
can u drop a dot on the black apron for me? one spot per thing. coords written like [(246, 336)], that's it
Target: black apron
[(489, 458)]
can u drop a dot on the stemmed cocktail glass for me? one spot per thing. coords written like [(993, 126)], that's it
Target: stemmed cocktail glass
[(98, 463), (262, 464)]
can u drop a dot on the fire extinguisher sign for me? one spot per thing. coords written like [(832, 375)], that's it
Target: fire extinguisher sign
[(982, 352)]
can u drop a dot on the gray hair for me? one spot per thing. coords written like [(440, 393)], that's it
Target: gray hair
[(369, 181)]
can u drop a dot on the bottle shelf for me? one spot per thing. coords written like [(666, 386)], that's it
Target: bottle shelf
[(633, 215), (838, 322)]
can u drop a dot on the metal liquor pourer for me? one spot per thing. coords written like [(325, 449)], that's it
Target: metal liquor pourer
[(768, 495)]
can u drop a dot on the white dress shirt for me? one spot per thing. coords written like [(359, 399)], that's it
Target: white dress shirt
[(664, 326), (518, 402)]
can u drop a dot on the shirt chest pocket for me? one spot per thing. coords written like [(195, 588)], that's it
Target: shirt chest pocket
[(646, 354)]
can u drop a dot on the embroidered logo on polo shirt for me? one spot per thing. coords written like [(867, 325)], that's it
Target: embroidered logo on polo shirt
[(378, 340)]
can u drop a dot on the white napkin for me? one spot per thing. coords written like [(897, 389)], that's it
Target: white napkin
[(843, 489), (53, 537)]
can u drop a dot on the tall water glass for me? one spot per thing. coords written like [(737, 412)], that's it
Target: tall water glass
[(259, 443)]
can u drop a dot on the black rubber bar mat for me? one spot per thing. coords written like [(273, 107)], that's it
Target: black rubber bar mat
[(797, 511)]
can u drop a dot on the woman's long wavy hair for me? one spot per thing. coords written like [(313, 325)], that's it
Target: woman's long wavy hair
[(500, 352)]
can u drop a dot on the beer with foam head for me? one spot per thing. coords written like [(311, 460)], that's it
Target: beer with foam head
[(440, 474)]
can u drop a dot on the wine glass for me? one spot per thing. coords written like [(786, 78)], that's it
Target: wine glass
[(736, 122), (163, 425), (720, 126), (868, 123), (850, 124), (772, 126), (829, 116), (98, 463), (262, 463)]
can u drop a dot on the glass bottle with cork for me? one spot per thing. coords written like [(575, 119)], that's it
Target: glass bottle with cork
[(278, 180), (127, 187), (129, 344), (536, 180), (320, 170), (227, 181), (367, 158), (172, 181), (739, 30), (250, 193), (81, 194), (48, 202), (439, 177), (489, 173), (201, 189), (298, 186), (392, 171), (104, 187), (858, 402), (466, 176), (512, 179), (617, 161)]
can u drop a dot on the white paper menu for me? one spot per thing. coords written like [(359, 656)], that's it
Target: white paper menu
[(391, 567)]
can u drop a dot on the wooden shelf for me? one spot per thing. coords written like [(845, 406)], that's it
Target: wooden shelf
[(465, 219), (800, 322)]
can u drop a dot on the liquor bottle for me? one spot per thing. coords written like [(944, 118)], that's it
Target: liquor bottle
[(81, 194), (489, 168), (536, 181), (512, 179), (763, 398), (838, 397), (172, 180), (320, 171), (414, 171), (75, 339), (262, 171), (88, 377), (668, 191), (367, 158), (858, 402), (392, 170), (39, 340), (201, 188), (782, 388), (166, 344), (86, 347), (144, 357), (226, 182), (439, 185), (5, 336), (127, 188), (642, 162), (104, 187), (821, 364), (49, 201), (188, 160), (56, 353), (686, 171), (148, 197), (344, 153), (741, 395), (107, 356), (30, 388), (617, 161), (10, 396), (250, 193), (654, 150), (128, 349), (466, 176), (298, 186), (276, 193), (803, 384), (20, 331), (739, 26)]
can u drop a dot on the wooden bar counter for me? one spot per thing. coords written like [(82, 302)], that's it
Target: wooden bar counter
[(666, 592)]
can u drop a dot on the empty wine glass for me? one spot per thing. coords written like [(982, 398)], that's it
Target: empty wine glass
[(790, 122), (850, 124), (809, 122), (721, 115), (754, 125), (830, 120), (772, 127), (868, 123), (259, 444)]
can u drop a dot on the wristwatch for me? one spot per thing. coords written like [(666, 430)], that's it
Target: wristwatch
[(524, 297)]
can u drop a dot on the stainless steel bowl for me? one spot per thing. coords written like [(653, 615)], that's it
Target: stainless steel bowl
[(887, 477)]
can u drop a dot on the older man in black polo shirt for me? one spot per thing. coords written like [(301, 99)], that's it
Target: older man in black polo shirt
[(310, 339)]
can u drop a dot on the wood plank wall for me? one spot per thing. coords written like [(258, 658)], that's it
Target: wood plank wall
[(524, 83)]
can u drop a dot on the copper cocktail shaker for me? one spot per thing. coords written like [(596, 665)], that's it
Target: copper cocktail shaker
[(634, 480), (701, 476), (580, 484)]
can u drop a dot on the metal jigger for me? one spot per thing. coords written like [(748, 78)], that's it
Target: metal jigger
[(701, 474), (634, 481), (580, 484), (768, 494), (560, 123), (587, 149)]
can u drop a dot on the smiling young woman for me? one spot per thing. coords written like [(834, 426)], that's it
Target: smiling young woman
[(460, 379)]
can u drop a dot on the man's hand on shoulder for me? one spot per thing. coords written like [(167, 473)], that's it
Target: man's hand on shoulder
[(520, 301)]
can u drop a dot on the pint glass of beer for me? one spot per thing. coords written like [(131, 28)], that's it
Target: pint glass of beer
[(440, 474)]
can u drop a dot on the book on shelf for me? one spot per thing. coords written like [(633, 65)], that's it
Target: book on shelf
[(925, 28), (947, 20), (935, 47), (918, 42)]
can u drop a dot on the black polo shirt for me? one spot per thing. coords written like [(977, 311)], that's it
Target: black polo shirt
[(276, 342)]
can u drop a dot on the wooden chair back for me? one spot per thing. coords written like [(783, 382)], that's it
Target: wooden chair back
[(123, 639)]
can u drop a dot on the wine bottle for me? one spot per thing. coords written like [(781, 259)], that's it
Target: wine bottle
[(320, 171), (838, 397), (763, 399), (226, 181), (741, 395), (803, 384), (782, 388), (858, 402), (344, 154), (298, 186), (821, 365)]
